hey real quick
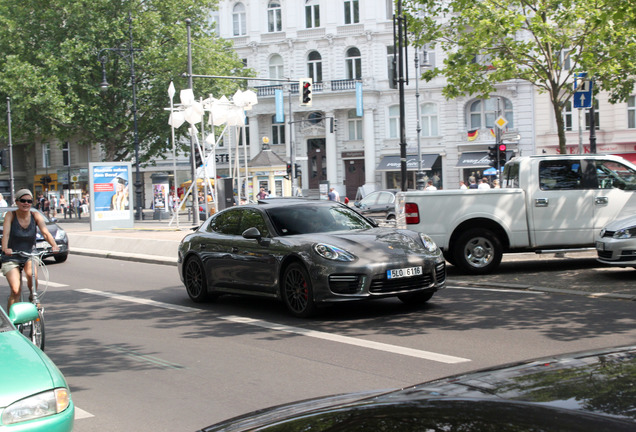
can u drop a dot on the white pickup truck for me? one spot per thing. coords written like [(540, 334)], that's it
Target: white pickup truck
[(546, 204)]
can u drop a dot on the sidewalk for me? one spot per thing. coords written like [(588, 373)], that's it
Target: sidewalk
[(157, 241)]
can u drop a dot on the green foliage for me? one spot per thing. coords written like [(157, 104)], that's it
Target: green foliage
[(50, 69), (529, 40)]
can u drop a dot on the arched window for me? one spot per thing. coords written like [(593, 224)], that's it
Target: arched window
[(482, 113), (353, 61), (354, 125), (278, 132), (394, 121), (239, 20), (314, 66), (274, 17), (275, 67), (428, 119)]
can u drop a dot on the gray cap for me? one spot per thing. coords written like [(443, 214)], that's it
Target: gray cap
[(21, 193)]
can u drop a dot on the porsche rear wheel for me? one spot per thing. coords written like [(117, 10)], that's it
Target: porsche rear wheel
[(297, 292)]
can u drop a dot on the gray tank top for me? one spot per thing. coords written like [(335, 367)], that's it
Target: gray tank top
[(21, 239)]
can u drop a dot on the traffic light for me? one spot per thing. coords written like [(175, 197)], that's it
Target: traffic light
[(333, 125), (298, 172), (289, 170), (493, 156), (305, 91), (501, 156)]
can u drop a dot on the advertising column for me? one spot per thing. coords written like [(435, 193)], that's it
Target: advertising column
[(111, 201)]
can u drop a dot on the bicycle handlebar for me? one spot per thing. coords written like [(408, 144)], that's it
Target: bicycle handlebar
[(33, 254)]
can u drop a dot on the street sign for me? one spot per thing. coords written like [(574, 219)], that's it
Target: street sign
[(582, 91), (501, 122)]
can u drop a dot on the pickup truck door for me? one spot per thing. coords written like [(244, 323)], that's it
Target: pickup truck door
[(562, 207), (615, 195)]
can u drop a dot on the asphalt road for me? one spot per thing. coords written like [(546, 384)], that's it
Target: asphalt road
[(139, 355)]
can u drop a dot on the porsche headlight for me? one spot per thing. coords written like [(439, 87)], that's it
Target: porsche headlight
[(333, 253), (60, 234), (37, 406), (428, 243), (625, 233)]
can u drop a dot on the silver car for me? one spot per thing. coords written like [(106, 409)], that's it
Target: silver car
[(616, 243)]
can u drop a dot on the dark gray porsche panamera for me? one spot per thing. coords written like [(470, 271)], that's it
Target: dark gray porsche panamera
[(307, 253)]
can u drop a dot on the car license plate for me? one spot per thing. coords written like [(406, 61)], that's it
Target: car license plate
[(404, 272), (600, 246)]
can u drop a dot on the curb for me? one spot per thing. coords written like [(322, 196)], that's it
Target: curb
[(148, 259)]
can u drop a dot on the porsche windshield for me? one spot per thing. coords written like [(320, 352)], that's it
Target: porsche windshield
[(307, 219)]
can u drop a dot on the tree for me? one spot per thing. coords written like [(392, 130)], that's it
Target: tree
[(49, 67), (544, 42)]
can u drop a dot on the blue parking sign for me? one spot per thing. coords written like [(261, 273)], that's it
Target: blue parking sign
[(583, 91)]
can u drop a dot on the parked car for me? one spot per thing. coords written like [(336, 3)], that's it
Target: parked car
[(379, 205), (579, 392), (58, 233), (616, 243), (34, 395), (306, 253)]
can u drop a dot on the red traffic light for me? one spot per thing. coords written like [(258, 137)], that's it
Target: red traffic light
[(502, 147)]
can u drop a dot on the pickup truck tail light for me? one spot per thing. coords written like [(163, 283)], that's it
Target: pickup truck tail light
[(412, 213)]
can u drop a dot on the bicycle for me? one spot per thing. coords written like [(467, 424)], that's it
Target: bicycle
[(34, 330)]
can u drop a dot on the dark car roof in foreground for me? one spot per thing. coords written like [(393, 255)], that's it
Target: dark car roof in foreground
[(577, 392)]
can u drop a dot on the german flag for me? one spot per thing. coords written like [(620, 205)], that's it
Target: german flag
[(472, 134)]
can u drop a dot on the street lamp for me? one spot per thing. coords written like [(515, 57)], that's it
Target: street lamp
[(127, 54)]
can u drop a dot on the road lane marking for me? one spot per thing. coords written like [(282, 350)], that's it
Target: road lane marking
[(521, 291), (379, 346), (81, 414), (144, 358)]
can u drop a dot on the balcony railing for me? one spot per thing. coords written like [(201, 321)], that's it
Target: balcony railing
[(318, 87)]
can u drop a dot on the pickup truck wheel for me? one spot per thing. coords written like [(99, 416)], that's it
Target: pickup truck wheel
[(478, 251)]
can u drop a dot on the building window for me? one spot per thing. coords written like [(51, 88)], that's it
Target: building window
[(564, 59), (631, 112), (394, 121), (354, 124), (239, 20), (314, 66), (247, 133), (482, 113), (66, 154), (46, 155), (354, 64), (351, 12), (597, 125), (312, 15), (278, 132), (275, 68), (428, 119), (567, 116), (390, 64), (274, 17)]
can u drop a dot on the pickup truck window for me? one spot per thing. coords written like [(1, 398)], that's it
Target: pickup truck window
[(612, 175), (511, 175), (560, 175)]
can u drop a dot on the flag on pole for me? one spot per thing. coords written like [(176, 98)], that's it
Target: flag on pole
[(472, 134), (493, 133)]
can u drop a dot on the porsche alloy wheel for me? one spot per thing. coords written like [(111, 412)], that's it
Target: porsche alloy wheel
[(195, 280), (297, 292)]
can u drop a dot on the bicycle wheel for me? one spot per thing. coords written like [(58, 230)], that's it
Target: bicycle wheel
[(36, 332)]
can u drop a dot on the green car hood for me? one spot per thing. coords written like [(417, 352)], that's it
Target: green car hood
[(24, 369)]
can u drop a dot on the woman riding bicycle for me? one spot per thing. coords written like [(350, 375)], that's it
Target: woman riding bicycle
[(19, 235)]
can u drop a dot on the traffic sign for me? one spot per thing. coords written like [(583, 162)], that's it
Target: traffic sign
[(582, 91)]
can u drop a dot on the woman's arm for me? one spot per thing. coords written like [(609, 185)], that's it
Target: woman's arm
[(6, 226), (39, 220)]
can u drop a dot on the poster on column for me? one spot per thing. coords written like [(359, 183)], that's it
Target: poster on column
[(111, 196)]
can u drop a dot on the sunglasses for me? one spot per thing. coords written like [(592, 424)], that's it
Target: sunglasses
[(26, 201)]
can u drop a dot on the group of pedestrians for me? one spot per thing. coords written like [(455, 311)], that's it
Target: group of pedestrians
[(483, 184)]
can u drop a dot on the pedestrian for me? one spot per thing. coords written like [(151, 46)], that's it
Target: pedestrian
[(431, 186), (495, 184), (472, 183), (333, 195), (77, 206), (262, 194), (3, 202), (54, 205), (462, 184), (45, 206), (484, 184), (63, 205)]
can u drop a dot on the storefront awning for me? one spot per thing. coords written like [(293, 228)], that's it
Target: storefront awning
[(473, 160), (629, 156), (478, 159), (392, 163)]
